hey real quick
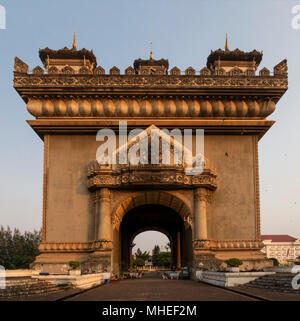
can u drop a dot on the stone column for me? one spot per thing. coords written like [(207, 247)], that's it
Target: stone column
[(103, 213), (200, 227)]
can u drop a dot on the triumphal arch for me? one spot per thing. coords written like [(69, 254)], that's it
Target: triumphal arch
[(92, 211)]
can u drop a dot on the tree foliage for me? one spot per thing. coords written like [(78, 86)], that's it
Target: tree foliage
[(140, 257), (162, 259), (18, 250)]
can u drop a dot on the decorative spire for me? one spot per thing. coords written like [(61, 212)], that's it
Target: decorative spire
[(151, 55), (226, 43), (74, 42)]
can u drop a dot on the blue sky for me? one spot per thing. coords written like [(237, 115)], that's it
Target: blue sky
[(120, 31)]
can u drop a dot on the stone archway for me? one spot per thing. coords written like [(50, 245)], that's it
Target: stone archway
[(175, 221), (164, 198), (154, 217)]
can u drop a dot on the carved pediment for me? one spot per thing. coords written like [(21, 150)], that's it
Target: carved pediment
[(220, 71), (84, 70), (281, 68), (99, 71), (38, 70), (52, 70), (114, 71), (20, 66), (129, 71), (68, 70), (264, 72), (190, 71), (175, 71), (157, 171), (236, 72), (205, 71)]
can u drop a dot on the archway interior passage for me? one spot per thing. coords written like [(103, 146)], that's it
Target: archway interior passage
[(151, 249), (156, 218)]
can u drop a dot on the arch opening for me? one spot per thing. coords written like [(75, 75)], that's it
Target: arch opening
[(151, 249), (153, 217)]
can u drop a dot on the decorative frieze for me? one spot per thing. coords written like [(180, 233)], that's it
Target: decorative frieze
[(150, 176), (75, 246), (216, 245), (126, 107)]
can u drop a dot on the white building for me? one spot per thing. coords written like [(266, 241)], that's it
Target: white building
[(282, 247)]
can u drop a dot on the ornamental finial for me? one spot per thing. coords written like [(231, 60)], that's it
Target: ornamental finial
[(74, 42), (226, 43), (151, 55)]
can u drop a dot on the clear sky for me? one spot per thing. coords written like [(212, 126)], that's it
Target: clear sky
[(120, 31)]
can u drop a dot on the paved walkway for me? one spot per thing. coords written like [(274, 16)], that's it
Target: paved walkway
[(151, 289)]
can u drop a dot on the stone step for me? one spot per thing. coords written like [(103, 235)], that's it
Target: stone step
[(25, 287), (276, 282), (27, 293)]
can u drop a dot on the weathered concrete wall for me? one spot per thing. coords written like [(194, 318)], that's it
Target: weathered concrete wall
[(69, 206), (232, 213)]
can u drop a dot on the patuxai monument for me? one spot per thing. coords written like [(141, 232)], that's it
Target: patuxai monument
[(93, 211)]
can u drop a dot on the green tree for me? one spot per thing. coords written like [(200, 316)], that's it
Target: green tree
[(162, 259), (155, 254), (138, 262), (143, 255), (18, 250)]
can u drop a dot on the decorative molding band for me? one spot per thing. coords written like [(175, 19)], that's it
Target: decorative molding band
[(158, 107), (151, 175), (228, 244), (99, 245), (149, 81)]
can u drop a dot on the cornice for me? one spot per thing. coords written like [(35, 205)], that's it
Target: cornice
[(92, 125)]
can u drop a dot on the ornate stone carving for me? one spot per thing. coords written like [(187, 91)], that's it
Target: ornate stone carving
[(205, 71), (264, 72), (38, 70), (250, 73), (201, 244), (190, 71), (158, 108), (20, 66), (84, 70), (203, 194), (68, 70), (99, 71), (175, 71), (281, 68), (219, 71), (236, 72), (157, 197), (139, 81), (222, 245), (75, 246), (66, 53), (52, 70), (114, 71), (165, 177), (129, 71), (101, 245)]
